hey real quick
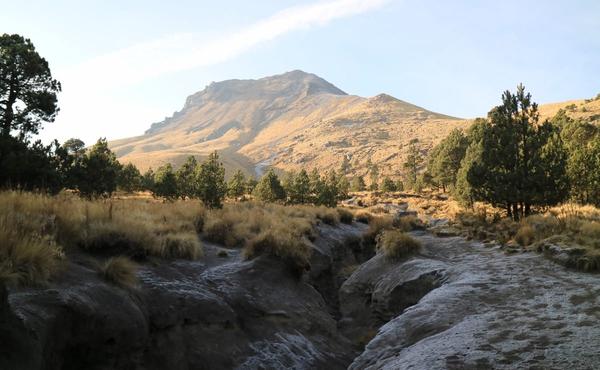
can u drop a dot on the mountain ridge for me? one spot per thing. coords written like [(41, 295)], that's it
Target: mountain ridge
[(290, 120), (299, 120)]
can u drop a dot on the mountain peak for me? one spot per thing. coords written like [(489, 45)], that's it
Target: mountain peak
[(280, 90)]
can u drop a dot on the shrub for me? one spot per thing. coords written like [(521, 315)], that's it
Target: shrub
[(345, 216), (396, 245), (120, 271), (525, 236)]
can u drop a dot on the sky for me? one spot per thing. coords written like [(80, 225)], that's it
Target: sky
[(126, 64)]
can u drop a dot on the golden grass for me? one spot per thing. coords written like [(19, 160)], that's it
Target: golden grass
[(236, 223), (290, 248), (120, 271), (396, 245), (25, 259), (569, 226), (276, 230), (525, 235), (37, 229), (376, 226), (138, 227)]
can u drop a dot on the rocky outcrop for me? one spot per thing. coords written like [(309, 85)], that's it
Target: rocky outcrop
[(382, 289), (210, 314), (493, 311)]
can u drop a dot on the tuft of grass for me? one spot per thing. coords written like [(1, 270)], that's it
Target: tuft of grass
[(591, 229), (120, 271), (27, 260), (396, 245), (294, 251), (408, 223), (525, 235), (363, 217), (185, 246), (328, 216), (376, 226), (345, 216)]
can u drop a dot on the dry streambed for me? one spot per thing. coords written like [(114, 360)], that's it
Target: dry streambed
[(457, 304)]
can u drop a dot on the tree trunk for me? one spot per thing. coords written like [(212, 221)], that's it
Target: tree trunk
[(515, 212)]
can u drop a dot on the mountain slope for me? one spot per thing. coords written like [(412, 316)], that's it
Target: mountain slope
[(290, 121)]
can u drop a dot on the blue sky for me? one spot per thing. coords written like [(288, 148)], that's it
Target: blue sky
[(126, 64)]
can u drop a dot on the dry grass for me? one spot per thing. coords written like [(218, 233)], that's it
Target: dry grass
[(363, 217), (571, 227), (236, 223), (345, 216), (290, 248), (396, 245), (120, 271), (136, 227), (376, 226), (408, 223), (36, 230), (525, 236), (25, 259), (276, 230)]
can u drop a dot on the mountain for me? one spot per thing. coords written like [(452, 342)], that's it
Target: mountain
[(290, 121)]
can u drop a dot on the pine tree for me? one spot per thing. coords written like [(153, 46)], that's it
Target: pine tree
[(345, 167), (187, 181), (211, 182), (288, 184), (165, 182), (99, 171), (374, 177), (27, 89), (269, 188), (316, 185), (237, 185), (388, 185), (300, 191), (328, 192), (358, 184), (520, 159), (343, 187), (413, 163), (148, 180), (129, 179), (445, 158)]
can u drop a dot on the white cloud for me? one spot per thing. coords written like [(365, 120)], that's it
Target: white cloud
[(86, 97)]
